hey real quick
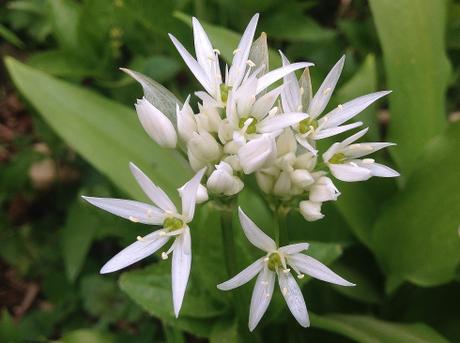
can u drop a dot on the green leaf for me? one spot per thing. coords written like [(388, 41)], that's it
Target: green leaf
[(416, 236), (105, 133), (64, 16), (412, 37), (77, 235), (88, 336), (225, 40), (224, 332), (370, 330), (150, 288), (10, 37)]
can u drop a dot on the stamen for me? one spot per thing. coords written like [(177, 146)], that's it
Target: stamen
[(287, 270), (300, 276), (368, 161), (162, 233), (302, 90), (285, 290), (340, 107), (327, 90), (250, 63), (273, 111), (236, 51), (217, 51), (140, 238), (133, 219), (266, 259), (164, 256)]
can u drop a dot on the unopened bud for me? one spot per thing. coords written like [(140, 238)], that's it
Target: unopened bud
[(204, 147), (323, 190), (222, 181), (186, 123), (257, 153), (201, 193), (302, 178), (311, 210)]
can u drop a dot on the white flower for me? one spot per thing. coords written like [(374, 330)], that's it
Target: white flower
[(257, 153), (297, 97), (323, 190), (156, 124), (186, 124), (277, 262), (222, 180), (344, 163), (311, 210), (164, 213), (204, 147)]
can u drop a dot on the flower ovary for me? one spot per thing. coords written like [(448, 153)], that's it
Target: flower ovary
[(252, 127), (274, 261), (338, 158), (172, 224), (304, 125)]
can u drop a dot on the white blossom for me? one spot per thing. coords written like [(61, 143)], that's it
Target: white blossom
[(278, 262), (162, 213), (311, 210), (223, 182)]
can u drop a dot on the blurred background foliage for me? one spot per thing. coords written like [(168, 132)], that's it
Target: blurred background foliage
[(67, 128)]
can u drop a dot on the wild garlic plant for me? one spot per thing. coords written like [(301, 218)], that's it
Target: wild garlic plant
[(248, 120)]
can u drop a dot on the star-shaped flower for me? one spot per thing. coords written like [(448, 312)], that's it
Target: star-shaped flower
[(278, 261), (174, 225)]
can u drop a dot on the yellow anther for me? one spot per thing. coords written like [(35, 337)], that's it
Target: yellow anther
[(302, 90), (217, 51), (368, 161), (236, 51), (140, 238), (300, 276), (340, 107), (287, 270), (133, 219), (164, 256), (250, 63), (326, 91)]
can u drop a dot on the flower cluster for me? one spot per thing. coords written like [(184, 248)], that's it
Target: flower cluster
[(243, 127), (251, 121)]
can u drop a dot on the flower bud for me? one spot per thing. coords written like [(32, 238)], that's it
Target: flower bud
[(195, 162), (286, 143), (265, 182), (323, 190), (209, 118), (283, 185), (156, 124), (311, 210), (222, 181), (201, 193), (305, 161), (186, 123), (302, 178), (257, 153), (204, 147)]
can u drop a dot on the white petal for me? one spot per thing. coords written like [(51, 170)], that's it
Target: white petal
[(189, 193), (294, 248), (363, 149), (154, 192), (135, 252), (129, 209), (316, 269), (379, 170), (257, 153), (180, 268), (238, 67), (291, 91), (349, 173), (279, 122), (261, 296), (294, 298), (156, 124), (311, 210), (265, 103), (350, 109), (322, 96), (193, 65), (255, 235), (242, 277), (336, 130), (203, 48), (276, 74)]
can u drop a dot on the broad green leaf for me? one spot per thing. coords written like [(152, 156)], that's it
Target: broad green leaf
[(77, 235), (416, 236), (10, 37), (412, 37), (150, 288), (105, 133), (225, 40), (64, 16), (370, 330)]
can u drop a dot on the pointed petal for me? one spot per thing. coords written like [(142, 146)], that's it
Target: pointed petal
[(349, 172), (238, 66), (350, 109), (291, 90), (129, 209), (154, 192), (294, 298), (261, 296), (203, 47), (242, 277), (379, 170), (265, 103), (294, 248), (180, 268), (279, 122), (322, 96), (363, 149), (316, 269), (255, 235), (336, 130), (189, 192), (276, 74), (135, 252), (193, 65)]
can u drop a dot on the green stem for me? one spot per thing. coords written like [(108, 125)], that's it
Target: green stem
[(281, 230)]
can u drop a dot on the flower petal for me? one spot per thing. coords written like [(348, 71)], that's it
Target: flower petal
[(129, 209), (294, 248), (193, 65), (154, 192), (350, 109), (316, 269), (265, 103), (255, 235), (336, 130), (242, 277), (378, 169), (322, 96), (349, 172), (279, 122), (261, 296), (276, 74), (203, 47), (135, 252), (294, 298), (363, 149), (180, 268), (189, 192), (290, 96)]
